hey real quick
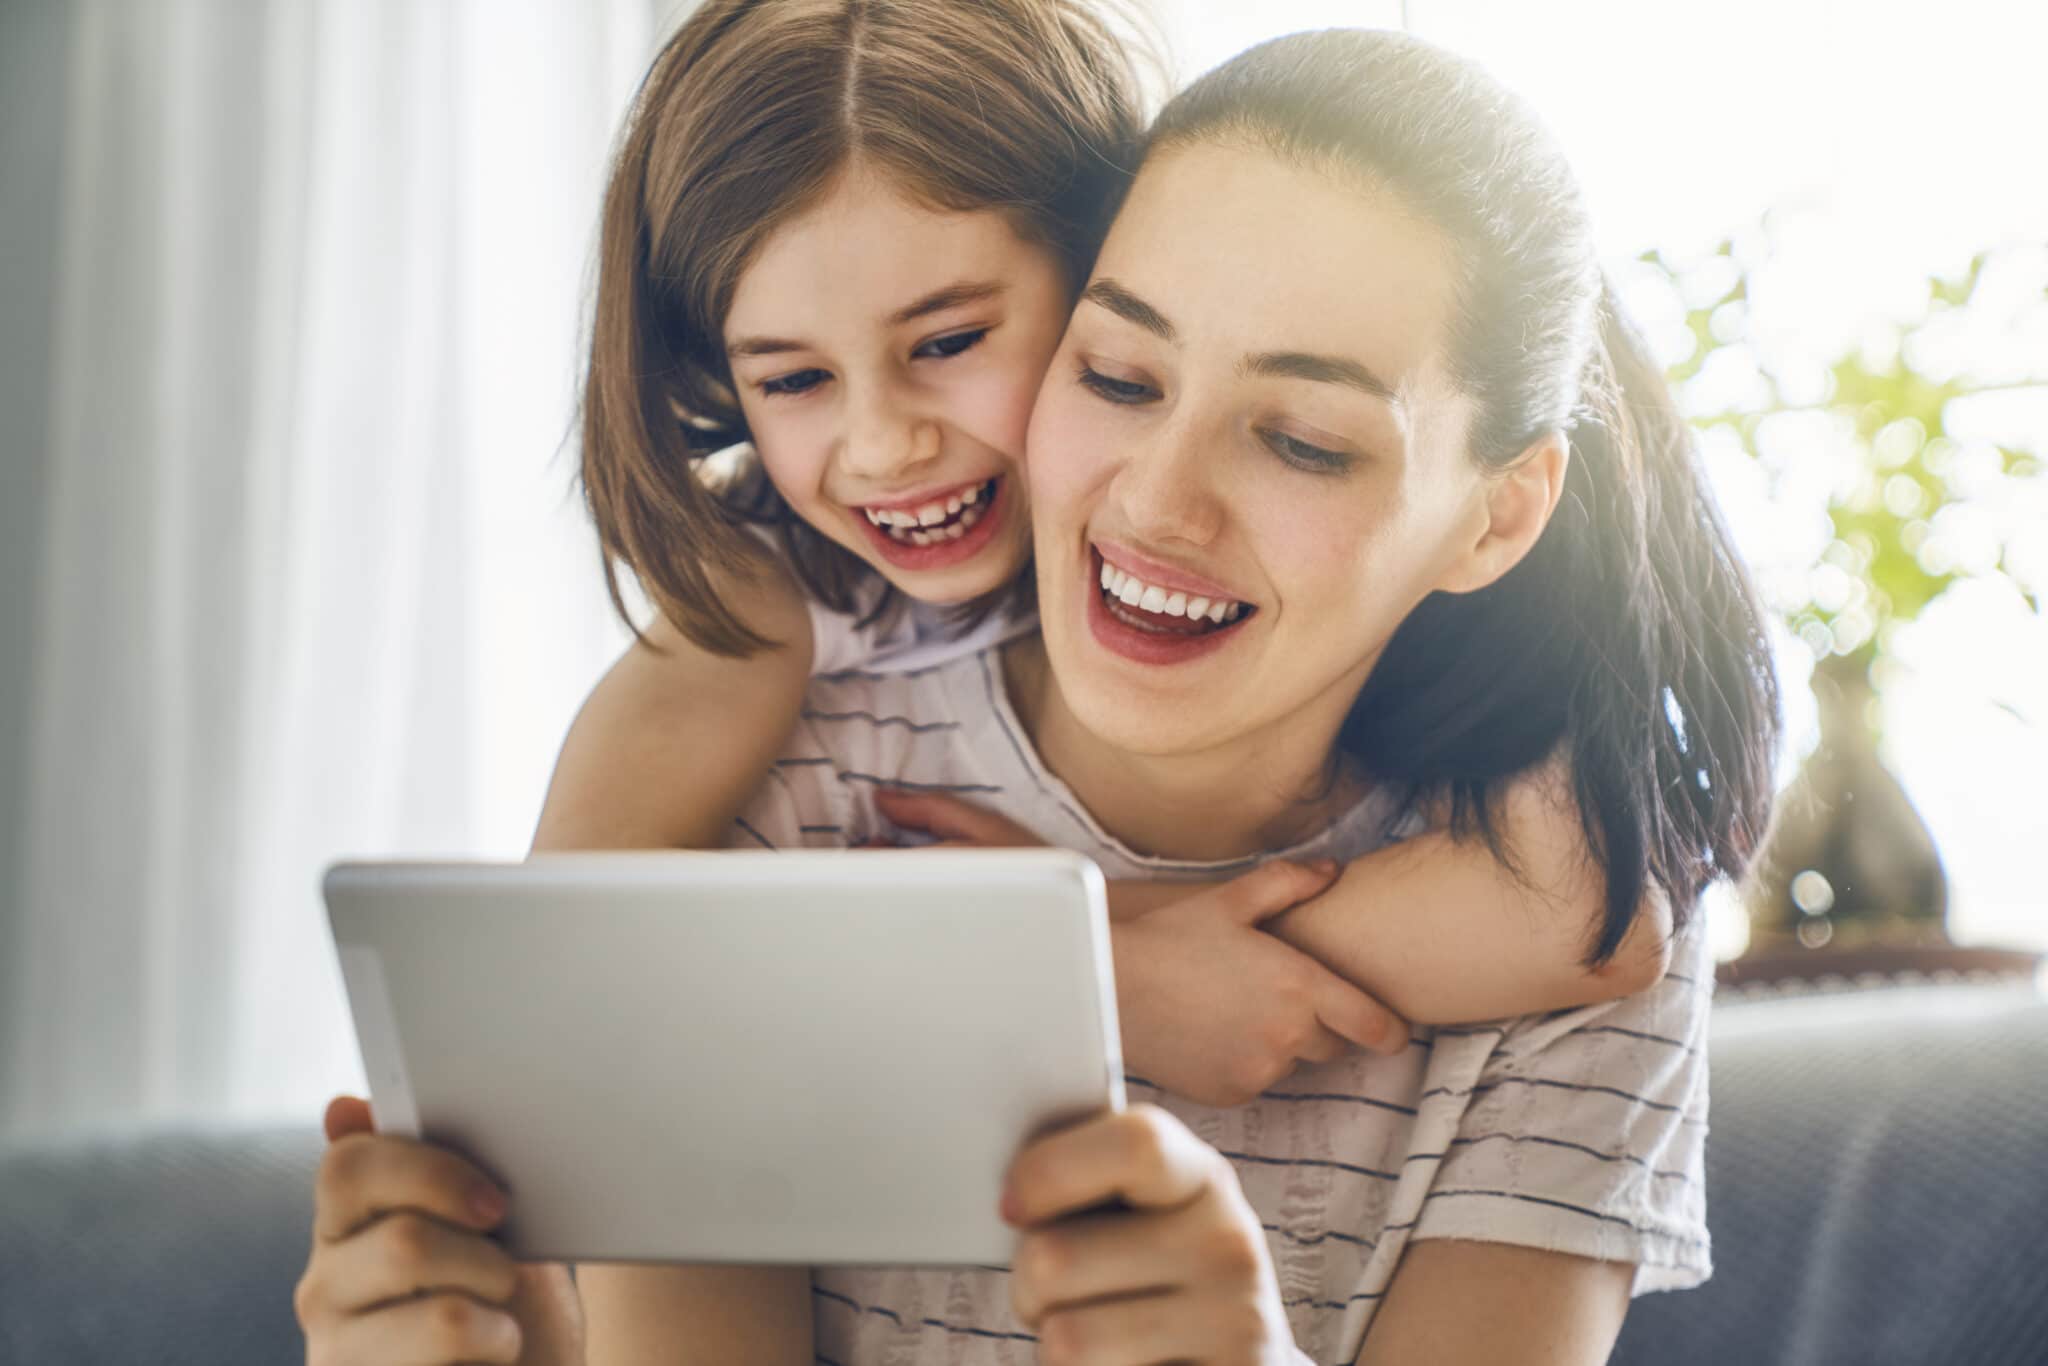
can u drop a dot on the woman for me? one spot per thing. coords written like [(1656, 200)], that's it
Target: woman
[(1345, 362)]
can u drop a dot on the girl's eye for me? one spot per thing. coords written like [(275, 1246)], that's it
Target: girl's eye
[(1116, 390), (1302, 455), (938, 348), (798, 382)]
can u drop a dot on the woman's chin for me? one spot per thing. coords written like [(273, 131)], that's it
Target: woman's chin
[(1160, 716)]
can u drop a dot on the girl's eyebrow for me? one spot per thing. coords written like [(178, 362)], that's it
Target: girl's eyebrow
[(938, 301), (951, 296)]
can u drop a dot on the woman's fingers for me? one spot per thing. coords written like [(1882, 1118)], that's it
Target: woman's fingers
[(1142, 1156), (404, 1254), (1100, 1256), (433, 1330), (1152, 1328), (952, 820), (348, 1115), (363, 1176)]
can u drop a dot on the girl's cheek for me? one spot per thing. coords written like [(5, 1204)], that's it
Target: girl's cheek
[(999, 404)]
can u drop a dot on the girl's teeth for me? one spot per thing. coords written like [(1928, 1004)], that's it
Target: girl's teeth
[(1175, 605), (1218, 612), (972, 495), (1130, 591), (931, 514), (1197, 608), (1152, 600), (953, 505)]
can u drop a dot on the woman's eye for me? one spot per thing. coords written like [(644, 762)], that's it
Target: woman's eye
[(1116, 390), (798, 382), (951, 345), (1300, 453)]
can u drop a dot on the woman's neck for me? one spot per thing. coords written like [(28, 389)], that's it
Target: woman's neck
[(1261, 792)]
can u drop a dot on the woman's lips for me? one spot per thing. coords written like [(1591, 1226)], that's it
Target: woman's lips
[(1154, 637)]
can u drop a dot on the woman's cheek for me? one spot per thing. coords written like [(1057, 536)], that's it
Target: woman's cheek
[(1068, 455)]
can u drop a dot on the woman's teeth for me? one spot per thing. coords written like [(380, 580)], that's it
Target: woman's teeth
[(943, 520), (1132, 591)]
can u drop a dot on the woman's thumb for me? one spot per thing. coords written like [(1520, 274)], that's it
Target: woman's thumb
[(348, 1115)]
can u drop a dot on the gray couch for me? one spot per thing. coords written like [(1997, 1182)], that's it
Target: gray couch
[(1878, 1176)]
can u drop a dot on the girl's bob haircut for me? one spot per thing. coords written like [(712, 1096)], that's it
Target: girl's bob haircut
[(750, 114)]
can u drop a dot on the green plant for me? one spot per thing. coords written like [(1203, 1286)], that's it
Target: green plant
[(1906, 516)]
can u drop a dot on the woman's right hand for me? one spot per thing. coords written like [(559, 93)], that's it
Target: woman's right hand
[(1215, 1009), (403, 1269)]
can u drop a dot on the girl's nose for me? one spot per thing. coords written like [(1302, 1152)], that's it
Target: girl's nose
[(884, 444)]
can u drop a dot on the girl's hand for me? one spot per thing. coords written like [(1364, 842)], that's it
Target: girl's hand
[(402, 1269), (1211, 1007), (1138, 1246), (954, 824), (1215, 1009)]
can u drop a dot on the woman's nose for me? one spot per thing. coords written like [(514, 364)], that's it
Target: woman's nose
[(1165, 489)]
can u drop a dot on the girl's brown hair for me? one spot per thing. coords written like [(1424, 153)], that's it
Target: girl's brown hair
[(749, 114)]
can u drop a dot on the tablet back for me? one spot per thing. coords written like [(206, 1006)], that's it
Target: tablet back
[(822, 1058)]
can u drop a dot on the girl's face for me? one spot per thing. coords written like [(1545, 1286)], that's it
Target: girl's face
[(886, 357), (1247, 462)]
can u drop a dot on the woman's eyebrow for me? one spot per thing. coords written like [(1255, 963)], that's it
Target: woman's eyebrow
[(1128, 306), (1321, 369)]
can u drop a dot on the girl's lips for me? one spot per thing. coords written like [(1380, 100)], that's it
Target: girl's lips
[(943, 554), (1139, 645)]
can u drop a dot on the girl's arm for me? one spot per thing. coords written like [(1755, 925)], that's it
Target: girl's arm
[(1433, 928), (1442, 933), (668, 747), (663, 754)]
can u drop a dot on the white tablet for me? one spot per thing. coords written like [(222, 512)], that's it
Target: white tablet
[(823, 1058)]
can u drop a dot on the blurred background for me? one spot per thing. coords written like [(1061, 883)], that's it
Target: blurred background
[(291, 298)]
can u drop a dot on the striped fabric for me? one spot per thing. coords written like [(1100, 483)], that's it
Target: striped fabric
[(1580, 1131)]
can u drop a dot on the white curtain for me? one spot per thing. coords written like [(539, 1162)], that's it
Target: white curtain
[(313, 580)]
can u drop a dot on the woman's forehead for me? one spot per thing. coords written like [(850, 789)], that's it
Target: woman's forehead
[(1240, 248)]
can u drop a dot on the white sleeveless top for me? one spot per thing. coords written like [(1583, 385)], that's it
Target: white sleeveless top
[(1581, 1131)]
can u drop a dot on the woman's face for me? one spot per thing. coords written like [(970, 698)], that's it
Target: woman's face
[(1247, 462), (886, 357)]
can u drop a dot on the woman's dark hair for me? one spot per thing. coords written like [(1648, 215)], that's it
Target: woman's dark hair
[(751, 112), (1630, 633)]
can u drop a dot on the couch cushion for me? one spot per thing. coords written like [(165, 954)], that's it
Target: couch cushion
[(160, 1248), (1877, 1186)]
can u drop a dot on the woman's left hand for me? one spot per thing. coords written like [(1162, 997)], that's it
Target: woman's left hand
[(1138, 1246)]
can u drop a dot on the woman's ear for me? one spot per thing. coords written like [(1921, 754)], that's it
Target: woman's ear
[(1516, 504)]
